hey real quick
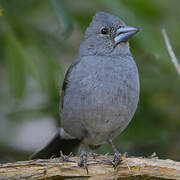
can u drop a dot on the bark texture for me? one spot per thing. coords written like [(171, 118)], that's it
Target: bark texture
[(98, 169)]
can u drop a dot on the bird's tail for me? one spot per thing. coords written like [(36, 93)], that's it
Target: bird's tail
[(56, 145)]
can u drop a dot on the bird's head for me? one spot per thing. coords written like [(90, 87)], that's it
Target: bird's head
[(106, 35)]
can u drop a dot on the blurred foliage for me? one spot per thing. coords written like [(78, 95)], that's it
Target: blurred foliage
[(39, 39)]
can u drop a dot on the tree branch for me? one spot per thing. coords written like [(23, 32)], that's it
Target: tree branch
[(171, 52), (58, 169)]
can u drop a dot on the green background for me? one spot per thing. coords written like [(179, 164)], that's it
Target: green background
[(38, 41)]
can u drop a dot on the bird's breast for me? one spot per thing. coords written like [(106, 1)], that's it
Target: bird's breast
[(101, 97)]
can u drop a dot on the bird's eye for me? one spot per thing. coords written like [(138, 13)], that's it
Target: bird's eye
[(104, 30)]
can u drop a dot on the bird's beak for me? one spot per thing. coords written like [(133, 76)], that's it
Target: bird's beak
[(124, 33)]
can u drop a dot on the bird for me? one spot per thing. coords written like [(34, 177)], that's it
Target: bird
[(100, 92)]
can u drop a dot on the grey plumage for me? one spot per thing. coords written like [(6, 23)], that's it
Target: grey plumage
[(101, 88)]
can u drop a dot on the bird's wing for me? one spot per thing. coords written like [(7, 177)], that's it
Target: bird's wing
[(65, 83)]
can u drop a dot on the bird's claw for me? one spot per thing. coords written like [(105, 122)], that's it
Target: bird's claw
[(118, 157), (83, 161), (125, 154), (93, 155)]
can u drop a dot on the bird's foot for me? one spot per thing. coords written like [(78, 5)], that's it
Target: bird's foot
[(93, 155), (118, 157), (83, 161)]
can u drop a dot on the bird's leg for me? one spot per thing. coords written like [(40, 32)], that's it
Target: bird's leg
[(83, 160), (117, 156), (83, 156)]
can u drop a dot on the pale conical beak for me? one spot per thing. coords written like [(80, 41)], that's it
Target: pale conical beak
[(124, 33)]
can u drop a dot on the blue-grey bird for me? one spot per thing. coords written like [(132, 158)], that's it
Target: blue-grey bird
[(100, 91)]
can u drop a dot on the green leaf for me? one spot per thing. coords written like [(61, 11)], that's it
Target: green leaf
[(14, 65), (63, 15), (18, 62)]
